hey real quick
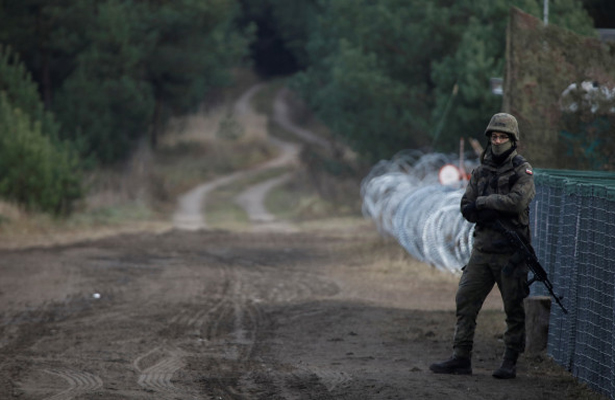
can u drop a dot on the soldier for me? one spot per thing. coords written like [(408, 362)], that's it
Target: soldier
[(501, 188)]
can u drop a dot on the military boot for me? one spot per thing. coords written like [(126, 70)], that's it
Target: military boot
[(508, 369), (453, 366)]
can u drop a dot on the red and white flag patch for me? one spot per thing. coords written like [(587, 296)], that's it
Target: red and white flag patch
[(529, 172)]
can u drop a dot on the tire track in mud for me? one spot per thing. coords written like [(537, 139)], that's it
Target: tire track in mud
[(331, 378), (231, 337), (225, 330), (229, 330), (270, 285), (157, 377), (79, 383), (298, 380), (157, 366), (318, 380), (221, 324), (190, 319), (27, 330)]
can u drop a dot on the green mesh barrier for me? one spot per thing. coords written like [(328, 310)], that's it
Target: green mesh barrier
[(573, 226), (580, 183)]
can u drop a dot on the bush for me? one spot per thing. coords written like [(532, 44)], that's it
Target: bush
[(34, 170)]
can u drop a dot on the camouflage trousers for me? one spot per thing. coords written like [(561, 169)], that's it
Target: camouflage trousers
[(484, 270)]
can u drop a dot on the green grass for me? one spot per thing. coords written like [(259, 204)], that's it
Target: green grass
[(112, 215)]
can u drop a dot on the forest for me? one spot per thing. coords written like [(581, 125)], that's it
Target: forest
[(83, 82)]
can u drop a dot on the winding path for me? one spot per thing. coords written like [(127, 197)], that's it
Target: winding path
[(190, 213)]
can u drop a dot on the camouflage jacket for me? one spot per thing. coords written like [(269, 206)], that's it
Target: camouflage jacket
[(507, 188)]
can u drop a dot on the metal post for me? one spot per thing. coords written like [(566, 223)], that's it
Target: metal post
[(545, 12)]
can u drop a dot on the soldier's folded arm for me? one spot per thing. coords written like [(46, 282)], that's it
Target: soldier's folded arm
[(468, 205), (514, 202)]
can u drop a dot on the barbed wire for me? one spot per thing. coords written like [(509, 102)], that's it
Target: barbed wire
[(406, 200)]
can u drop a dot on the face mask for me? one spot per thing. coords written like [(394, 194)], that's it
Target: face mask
[(501, 148)]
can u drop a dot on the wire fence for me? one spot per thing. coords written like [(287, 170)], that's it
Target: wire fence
[(573, 217), (406, 200)]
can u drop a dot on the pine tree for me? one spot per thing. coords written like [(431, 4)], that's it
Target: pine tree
[(37, 170)]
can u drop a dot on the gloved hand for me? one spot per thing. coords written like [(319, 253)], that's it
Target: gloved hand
[(487, 215), (469, 212)]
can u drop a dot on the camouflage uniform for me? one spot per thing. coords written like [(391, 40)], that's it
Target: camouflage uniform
[(507, 188)]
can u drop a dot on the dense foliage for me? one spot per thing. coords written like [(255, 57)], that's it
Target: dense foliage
[(394, 74), (113, 71), (36, 168)]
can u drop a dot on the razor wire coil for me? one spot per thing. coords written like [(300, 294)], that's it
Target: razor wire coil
[(405, 200)]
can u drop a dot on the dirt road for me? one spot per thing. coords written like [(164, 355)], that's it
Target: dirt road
[(191, 209), (333, 313)]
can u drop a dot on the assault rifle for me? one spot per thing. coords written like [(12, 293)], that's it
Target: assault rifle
[(529, 256)]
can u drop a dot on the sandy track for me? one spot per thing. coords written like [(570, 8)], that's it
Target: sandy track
[(252, 200), (191, 209)]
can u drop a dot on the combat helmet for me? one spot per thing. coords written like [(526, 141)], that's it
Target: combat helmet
[(505, 123)]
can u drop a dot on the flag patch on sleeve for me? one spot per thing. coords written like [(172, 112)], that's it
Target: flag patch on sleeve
[(529, 172)]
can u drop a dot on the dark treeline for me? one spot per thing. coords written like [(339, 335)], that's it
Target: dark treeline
[(112, 71), (90, 78), (394, 74)]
